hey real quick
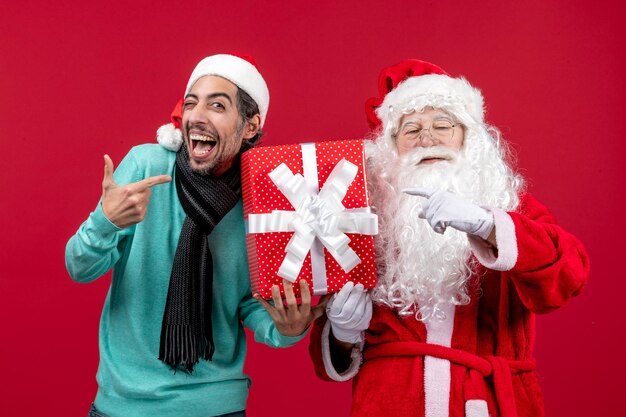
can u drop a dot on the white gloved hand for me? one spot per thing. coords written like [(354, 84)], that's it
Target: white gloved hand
[(442, 209), (349, 312)]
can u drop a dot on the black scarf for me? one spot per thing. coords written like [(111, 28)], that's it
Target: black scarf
[(187, 331)]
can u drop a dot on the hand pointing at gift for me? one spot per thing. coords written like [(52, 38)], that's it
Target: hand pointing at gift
[(126, 205), (442, 209)]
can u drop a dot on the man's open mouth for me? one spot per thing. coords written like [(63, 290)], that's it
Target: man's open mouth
[(201, 145)]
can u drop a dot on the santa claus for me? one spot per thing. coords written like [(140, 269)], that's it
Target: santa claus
[(466, 258)]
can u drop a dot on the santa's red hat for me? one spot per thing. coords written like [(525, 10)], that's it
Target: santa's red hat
[(240, 69), (412, 85)]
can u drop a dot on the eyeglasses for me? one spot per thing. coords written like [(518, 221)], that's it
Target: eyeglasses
[(440, 130)]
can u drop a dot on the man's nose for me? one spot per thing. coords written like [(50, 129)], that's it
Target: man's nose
[(197, 115)]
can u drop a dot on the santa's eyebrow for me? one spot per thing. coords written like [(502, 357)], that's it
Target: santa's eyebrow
[(435, 118), (410, 122), (443, 116)]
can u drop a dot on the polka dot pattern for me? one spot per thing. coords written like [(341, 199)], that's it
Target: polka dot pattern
[(260, 195)]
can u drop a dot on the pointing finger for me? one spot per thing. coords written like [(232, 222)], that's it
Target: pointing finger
[(152, 181), (421, 192)]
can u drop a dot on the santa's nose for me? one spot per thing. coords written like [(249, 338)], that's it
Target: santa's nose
[(426, 140)]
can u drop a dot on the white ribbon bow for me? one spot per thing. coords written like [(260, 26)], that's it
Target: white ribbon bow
[(320, 216)]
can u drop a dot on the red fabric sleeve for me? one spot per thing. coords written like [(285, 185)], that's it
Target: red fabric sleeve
[(315, 348), (552, 265)]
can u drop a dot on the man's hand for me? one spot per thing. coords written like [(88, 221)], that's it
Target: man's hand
[(293, 320), (126, 205), (349, 312), (442, 209)]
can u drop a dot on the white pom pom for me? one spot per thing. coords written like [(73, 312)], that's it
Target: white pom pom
[(169, 137)]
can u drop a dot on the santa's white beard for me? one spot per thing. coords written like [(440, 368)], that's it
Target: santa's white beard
[(420, 272)]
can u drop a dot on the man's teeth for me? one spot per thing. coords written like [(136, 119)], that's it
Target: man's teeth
[(195, 136)]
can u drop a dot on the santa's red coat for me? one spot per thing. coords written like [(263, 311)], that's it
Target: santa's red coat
[(486, 364)]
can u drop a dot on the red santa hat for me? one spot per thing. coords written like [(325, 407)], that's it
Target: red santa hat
[(412, 85), (240, 69)]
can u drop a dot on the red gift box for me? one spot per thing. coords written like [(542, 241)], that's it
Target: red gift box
[(307, 215)]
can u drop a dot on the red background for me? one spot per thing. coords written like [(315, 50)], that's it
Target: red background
[(82, 79)]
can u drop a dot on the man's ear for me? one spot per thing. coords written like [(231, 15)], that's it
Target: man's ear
[(252, 126)]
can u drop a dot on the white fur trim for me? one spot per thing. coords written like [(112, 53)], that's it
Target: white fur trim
[(455, 95), (356, 356), (169, 137), (506, 240), (476, 408), (436, 370), (437, 386), (238, 71)]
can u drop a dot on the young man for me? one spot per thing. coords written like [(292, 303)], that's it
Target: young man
[(465, 260), (172, 341)]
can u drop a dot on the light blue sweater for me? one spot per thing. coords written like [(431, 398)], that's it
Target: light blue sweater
[(131, 380)]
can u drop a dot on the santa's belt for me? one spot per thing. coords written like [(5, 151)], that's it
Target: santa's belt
[(500, 368)]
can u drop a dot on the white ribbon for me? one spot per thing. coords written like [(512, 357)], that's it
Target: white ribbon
[(319, 218)]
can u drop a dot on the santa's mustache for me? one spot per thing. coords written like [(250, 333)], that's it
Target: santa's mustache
[(416, 156)]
